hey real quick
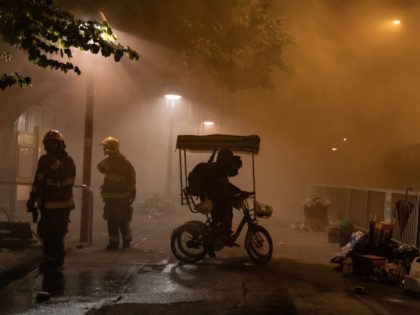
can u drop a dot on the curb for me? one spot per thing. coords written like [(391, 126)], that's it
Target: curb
[(30, 261)]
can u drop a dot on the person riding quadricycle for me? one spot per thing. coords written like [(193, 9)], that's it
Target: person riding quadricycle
[(207, 190)]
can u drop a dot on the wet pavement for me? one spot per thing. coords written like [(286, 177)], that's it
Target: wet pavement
[(146, 279), (15, 264), (96, 281)]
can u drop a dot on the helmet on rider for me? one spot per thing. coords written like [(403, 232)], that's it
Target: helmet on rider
[(236, 164), (224, 160), (225, 156), (111, 145), (53, 140)]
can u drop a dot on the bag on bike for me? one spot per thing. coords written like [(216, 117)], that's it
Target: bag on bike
[(197, 179)]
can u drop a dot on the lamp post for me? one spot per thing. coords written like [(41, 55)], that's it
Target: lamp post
[(171, 100), (87, 157), (86, 215)]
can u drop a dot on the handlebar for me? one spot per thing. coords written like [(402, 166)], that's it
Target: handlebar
[(244, 194), (241, 196)]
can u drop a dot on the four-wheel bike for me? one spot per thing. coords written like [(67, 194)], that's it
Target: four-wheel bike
[(191, 241)]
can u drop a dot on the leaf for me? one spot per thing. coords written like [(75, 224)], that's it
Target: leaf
[(94, 49), (118, 55), (41, 30)]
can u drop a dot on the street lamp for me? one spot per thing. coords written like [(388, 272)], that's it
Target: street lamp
[(207, 125), (173, 97), (394, 25)]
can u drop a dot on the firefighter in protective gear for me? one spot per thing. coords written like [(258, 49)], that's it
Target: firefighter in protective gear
[(52, 196), (118, 193)]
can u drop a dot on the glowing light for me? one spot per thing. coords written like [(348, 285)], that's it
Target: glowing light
[(334, 149), (344, 139), (173, 97), (107, 36), (208, 123), (105, 31), (396, 22)]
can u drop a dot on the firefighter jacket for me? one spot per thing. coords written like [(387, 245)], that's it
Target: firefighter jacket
[(120, 179), (53, 184)]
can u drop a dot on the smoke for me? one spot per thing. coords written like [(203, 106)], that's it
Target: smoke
[(355, 77)]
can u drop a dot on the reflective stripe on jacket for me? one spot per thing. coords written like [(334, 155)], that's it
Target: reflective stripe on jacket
[(69, 204), (54, 180), (120, 178)]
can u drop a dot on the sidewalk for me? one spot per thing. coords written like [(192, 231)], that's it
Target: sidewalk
[(154, 235), (15, 264)]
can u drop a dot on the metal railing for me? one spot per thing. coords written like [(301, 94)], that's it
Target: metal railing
[(363, 204), (84, 226)]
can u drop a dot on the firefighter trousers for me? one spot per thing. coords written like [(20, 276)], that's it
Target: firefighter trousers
[(115, 227), (52, 229), (118, 216)]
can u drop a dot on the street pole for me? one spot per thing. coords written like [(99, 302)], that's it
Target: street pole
[(87, 159), (169, 165), (171, 100)]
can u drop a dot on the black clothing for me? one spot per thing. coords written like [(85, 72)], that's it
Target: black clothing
[(52, 229), (52, 191), (53, 184), (220, 191), (118, 192), (120, 178)]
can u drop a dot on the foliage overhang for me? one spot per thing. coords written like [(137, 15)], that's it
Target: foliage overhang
[(48, 35)]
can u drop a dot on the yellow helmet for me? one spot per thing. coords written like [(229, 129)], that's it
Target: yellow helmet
[(53, 135), (111, 144)]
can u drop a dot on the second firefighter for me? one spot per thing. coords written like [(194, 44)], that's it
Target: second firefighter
[(118, 193)]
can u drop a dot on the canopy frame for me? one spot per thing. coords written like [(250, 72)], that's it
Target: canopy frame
[(210, 143)]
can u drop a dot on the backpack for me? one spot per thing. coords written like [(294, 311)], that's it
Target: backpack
[(198, 178)]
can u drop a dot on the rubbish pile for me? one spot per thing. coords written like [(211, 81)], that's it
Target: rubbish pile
[(316, 211), (376, 256), (155, 205), (412, 280), (340, 232)]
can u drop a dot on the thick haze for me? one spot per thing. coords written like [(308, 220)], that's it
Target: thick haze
[(355, 76)]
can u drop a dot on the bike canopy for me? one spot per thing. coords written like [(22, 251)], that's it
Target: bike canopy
[(246, 144), (212, 143)]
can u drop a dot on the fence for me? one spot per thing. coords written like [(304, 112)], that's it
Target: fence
[(15, 208), (360, 205)]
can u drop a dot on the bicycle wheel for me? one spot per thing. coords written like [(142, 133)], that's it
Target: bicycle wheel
[(192, 238), (187, 242), (259, 244)]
